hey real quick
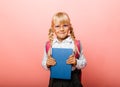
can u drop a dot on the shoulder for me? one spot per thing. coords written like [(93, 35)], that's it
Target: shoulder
[(47, 42)]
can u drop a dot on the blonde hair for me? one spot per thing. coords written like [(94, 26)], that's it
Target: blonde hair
[(62, 18)]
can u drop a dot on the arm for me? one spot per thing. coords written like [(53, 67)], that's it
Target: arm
[(78, 63), (47, 61), (81, 61), (44, 60)]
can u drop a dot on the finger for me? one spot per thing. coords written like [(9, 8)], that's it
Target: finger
[(50, 57), (70, 58), (71, 55), (52, 62), (49, 63), (68, 61), (71, 61)]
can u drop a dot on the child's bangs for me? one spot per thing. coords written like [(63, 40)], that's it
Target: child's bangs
[(62, 20)]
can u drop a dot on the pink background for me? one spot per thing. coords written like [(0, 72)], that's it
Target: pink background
[(24, 27)]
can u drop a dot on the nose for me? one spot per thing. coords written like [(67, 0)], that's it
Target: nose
[(61, 28)]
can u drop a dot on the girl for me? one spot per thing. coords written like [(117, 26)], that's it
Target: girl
[(64, 38)]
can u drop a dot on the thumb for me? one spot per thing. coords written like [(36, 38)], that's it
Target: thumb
[(72, 55)]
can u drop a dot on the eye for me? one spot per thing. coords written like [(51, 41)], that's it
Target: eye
[(57, 26), (65, 25)]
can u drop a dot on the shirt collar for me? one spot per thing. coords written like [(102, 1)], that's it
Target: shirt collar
[(67, 40)]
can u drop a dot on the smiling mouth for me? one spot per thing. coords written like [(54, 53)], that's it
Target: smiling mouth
[(62, 33)]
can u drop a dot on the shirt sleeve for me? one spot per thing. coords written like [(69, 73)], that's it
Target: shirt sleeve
[(44, 60), (81, 61)]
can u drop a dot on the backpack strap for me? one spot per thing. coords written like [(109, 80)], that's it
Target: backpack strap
[(77, 43), (77, 55), (47, 46)]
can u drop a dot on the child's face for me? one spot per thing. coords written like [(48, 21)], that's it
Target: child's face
[(61, 30)]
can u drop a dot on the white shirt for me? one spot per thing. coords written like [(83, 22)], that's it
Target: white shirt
[(67, 43)]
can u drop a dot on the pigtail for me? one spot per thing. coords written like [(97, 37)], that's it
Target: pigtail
[(73, 38), (50, 35), (72, 33)]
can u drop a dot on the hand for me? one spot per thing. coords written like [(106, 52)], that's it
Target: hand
[(50, 61), (72, 60)]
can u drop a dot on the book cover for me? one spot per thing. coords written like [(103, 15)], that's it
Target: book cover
[(61, 70)]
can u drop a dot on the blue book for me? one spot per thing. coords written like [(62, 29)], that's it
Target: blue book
[(61, 70)]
